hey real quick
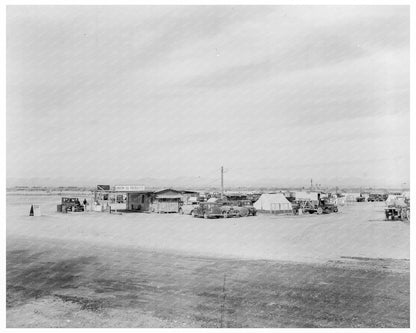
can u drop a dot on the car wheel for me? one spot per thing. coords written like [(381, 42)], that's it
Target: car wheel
[(224, 215), (205, 215), (319, 211), (335, 210), (244, 212)]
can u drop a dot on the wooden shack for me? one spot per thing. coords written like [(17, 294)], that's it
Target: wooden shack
[(167, 201), (139, 201)]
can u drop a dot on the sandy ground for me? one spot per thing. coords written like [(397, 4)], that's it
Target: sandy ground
[(73, 284), (358, 230)]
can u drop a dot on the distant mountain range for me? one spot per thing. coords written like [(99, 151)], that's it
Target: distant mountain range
[(200, 182)]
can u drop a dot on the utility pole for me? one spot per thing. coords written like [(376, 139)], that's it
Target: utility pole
[(222, 182)]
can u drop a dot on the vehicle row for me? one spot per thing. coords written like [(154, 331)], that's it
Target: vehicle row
[(375, 198), (223, 209)]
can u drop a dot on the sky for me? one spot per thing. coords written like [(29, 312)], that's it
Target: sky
[(275, 94)]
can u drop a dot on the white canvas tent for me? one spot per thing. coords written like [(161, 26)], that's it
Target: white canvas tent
[(339, 201), (273, 203), (352, 197), (395, 200)]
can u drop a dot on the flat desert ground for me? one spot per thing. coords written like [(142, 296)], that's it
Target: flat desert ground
[(349, 269)]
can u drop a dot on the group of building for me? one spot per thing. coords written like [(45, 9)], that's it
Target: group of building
[(139, 199), (136, 198)]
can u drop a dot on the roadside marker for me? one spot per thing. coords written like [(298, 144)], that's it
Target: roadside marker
[(34, 210)]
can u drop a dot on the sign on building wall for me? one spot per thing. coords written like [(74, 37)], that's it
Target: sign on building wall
[(129, 188)]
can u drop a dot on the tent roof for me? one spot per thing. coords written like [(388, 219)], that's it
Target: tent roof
[(267, 200), (406, 194)]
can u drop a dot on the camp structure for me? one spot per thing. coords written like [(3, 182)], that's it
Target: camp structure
[(273, 203), (352, 197), (406, 194), (139, 201), (398, 200), (167, 201)]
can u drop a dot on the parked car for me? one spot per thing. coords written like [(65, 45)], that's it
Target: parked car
[(244, 208), (188, 208), (207, 210), (228, 209), (377, 197)]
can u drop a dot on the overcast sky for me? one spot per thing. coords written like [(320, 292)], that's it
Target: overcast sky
[(279, 92)]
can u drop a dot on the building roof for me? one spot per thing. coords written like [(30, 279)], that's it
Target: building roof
[(168, 196), (167, 190)]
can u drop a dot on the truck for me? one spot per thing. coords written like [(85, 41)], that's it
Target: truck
[(321, 206), (398, 210)]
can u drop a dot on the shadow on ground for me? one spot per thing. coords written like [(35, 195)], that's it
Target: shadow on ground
[(208, 292)]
